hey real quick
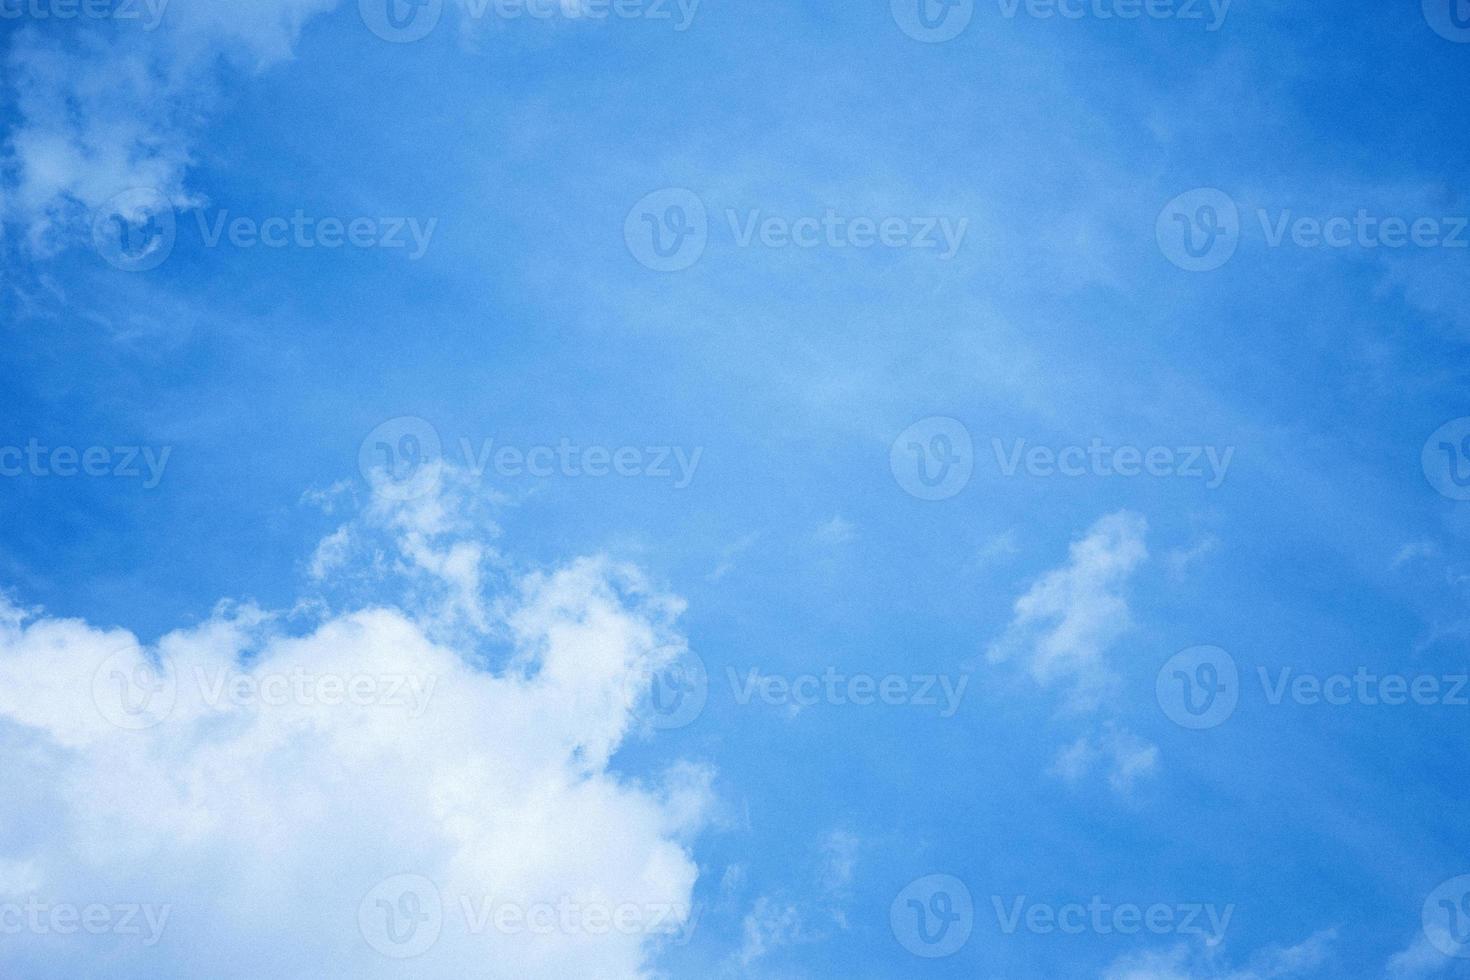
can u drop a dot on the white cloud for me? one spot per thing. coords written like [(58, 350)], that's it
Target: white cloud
[(1127, 758), (839, 860), (1420, 959), (1180, 560), (770, 925), (107, 106), (1189, 963), (263, 821), (1413, 551), (774, 922), (1068, 619), (837, 531), (1064, 626), (999, 548)]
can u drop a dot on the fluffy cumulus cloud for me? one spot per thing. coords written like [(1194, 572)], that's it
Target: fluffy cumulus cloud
[(406, 788)]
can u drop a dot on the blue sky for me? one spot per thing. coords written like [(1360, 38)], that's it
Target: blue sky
[(776, 400)]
